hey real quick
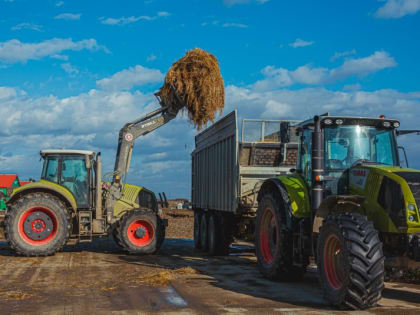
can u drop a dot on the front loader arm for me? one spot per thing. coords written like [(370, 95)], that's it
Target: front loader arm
[(127, 136), (133, 130)]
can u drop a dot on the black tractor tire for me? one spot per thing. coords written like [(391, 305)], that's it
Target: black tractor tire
[(197, 233), (218, 238), (274, 243), (204, 243), (37, 224), (350, 261), (140, 232)]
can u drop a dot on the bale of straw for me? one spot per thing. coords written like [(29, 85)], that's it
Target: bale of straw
[(195, 82)]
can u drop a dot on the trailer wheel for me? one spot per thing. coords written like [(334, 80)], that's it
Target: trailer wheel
[(274, 244), (350, 261), (140, 232), (37, 225), (204, 232), (197, 222)]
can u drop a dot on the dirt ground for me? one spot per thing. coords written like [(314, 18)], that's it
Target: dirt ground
[(99, 278), (180, 223)]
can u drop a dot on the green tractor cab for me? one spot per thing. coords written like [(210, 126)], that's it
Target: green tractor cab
[(348, 204)]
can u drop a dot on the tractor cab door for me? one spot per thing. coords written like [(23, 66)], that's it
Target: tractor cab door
[(69, 171), (75, 177), (304, 165)]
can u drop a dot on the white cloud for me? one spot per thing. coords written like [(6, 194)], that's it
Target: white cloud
[(68, 16), (338, 55), (13, 51), (395, 9), (363, 66), (238, 25), (230, 3), (300, 43), (71, 70), (27, 26), (163, 14), (59, 3), (306, 102), (133, 76), (132, 19), (280, 77), (125, 20)]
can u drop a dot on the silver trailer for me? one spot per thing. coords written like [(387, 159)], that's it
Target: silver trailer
[(227, 173)]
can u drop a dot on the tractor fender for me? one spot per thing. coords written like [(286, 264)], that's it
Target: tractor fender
[(337, 204), (47, 187), (276, 187)]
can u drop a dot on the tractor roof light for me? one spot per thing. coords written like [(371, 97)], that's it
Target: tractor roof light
[(328, 121), (386, 124), (382, 116), (396, 124), (411, 207), (339, 121)]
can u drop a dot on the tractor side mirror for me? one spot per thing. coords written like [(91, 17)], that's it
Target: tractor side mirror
[(285, 132)]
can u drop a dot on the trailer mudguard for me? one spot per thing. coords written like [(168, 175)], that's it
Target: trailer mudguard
[(48, 187)]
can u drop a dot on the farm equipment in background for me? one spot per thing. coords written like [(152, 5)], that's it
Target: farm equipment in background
[(70, 201), (348, 204)]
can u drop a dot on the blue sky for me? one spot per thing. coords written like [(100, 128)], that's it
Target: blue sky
[(73, 72)]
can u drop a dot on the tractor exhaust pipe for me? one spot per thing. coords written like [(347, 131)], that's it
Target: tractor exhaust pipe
[(317, 166)]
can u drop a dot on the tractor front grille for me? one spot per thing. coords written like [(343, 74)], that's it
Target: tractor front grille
[(413, 181)]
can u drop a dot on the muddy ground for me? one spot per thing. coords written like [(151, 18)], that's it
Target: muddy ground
[(98, 278)]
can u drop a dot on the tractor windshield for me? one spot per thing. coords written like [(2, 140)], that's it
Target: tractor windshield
[(347, 144)]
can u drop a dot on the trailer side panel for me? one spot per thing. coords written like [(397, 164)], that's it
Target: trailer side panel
[(215, 169)]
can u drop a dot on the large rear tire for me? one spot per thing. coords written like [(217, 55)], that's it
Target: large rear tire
[(350, 261), (140, 232), (274, 243), (37, 224)]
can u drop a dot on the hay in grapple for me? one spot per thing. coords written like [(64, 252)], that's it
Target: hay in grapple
[(195, 82)]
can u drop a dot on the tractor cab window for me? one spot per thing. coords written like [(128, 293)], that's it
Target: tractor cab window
[(346, 145), (74, 176), (50, 170)]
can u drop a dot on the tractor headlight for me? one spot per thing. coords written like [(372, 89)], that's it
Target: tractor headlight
[(327, 121), (339, 121), (396, 124), (411, 207), (386, 124), (411, 218)]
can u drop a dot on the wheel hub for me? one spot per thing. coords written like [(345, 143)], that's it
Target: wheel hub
[(140, 232), (38, 226)]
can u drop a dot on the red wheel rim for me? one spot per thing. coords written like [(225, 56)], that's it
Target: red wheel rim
[(145, 228), (268, 235), (37, 226), (333, 267)]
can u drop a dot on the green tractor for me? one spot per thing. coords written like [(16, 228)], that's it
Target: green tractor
[(71, 202), (347, 205)]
